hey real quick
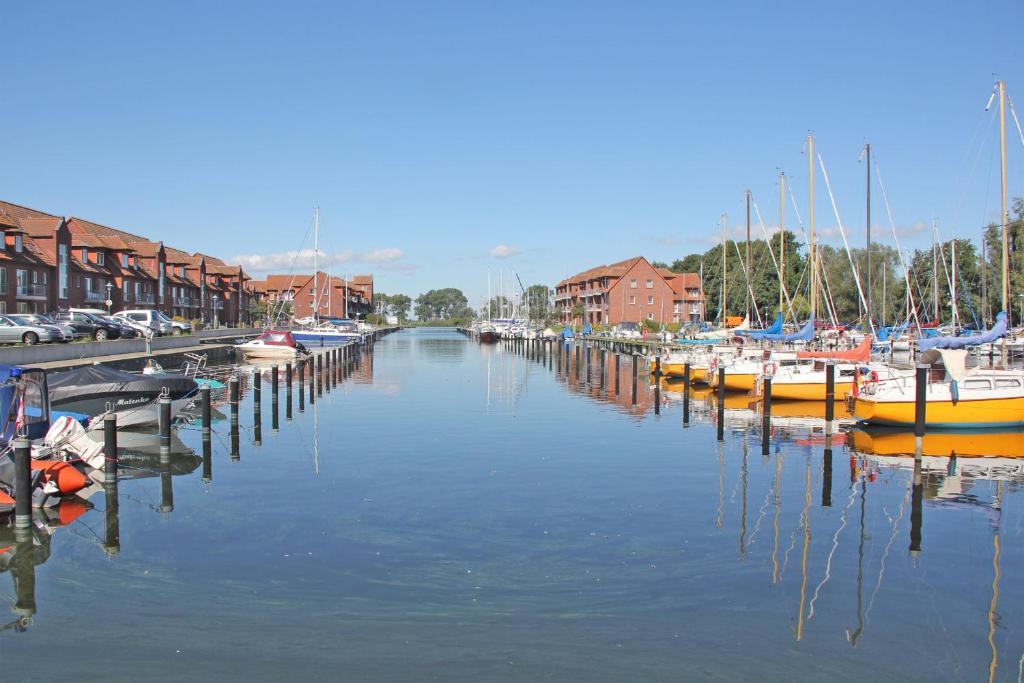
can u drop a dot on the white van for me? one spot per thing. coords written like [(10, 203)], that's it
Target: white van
[(148, 317)]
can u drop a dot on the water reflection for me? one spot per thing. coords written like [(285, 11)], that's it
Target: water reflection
[(482, 513)]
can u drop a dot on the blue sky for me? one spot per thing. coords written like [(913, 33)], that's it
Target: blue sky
[(568, 133)]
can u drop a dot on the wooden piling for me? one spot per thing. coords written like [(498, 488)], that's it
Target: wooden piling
[(110, 446), (920, 399), (830, 395)]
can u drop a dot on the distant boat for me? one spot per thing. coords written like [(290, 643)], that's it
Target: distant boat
[(488, 334), (272, 345)]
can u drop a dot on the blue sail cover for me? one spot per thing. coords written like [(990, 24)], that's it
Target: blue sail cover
[(997, 331), (805, 333), (776, 328), (587, 329)]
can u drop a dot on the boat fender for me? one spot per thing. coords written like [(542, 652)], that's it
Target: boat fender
[(954, 391)]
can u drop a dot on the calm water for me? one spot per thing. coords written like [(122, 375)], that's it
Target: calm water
[(453, 512)]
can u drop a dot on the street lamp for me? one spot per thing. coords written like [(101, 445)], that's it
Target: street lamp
[(216, 318), (109, 300)]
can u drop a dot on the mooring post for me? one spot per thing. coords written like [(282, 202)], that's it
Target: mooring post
[(233, 403), (657, 367), (302, 385), (830, 394), (721, 403), (206, 417), (633, 363), (618, 369), (165, 424), (319, 375), (273, 398), (112, 532), (257, 389), (657, 396), (826, 473), (920, 400), (207, 461), (916, 513), (686, 394), (766, 415), (22, 483), (109, 446)]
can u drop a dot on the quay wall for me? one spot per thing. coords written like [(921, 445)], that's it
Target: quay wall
[(49, 353)]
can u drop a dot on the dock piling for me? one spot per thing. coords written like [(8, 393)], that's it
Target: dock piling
[(273, 398), (830, 395), (22, 483), (207, 417), (826, 473), (766, 415), (301, 367), (686, 394), (633, 363), (165, 425), (721, 403), (110, 446), (233, 403), (920, 399)]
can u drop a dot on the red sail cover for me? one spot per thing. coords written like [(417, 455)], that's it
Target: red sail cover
[(861, 354)]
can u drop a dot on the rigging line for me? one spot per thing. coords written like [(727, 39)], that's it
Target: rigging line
[(746, 277), (768, 241), (899, 250), (831, 553), (1013, 112), (942, 257), (842, 232), (974, 167), (291, 271)]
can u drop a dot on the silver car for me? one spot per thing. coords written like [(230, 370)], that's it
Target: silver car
[(16, 329), (45, 320)]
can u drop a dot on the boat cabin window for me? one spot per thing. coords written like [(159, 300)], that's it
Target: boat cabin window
[(1007, 383), (977, 384)]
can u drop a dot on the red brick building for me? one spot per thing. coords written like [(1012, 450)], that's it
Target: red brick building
[(629, 291), (301, 292), (49, 263)]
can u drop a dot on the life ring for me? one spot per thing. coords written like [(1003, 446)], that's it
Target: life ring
[(769, 369)]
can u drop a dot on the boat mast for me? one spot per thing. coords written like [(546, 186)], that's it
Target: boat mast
[(316, 250), (488, 295), (867, 152), (750, 290), (952, 287), (884, 278), (811, 254), (984, 281), (345, 284), (725, 274), (1004, 216), (782, 238), (935, 272)]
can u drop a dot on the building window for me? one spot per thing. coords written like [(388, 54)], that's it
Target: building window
[(675, 308), (127, 290), (124, 260), (632, 283), (632, 301), (101, 259), (17, 243), (21, 276), (650, 284), (138, 291), (3, 280), (85, 255), (650, 316), (650, 301), (3, 307), (675, 318)]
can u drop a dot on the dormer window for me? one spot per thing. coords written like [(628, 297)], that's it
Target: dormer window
[(85, 255), (124, 260), (17, 243), (100, 258)]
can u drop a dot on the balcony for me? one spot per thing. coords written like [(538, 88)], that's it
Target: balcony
[(95, 296), (145, 299), (34, 291), (186, 301)]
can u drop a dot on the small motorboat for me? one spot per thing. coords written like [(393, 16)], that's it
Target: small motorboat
[(194, 368), (96, 389), (272, 345)]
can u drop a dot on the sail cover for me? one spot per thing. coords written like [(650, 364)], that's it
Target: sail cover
[(776, 328), (859, 354), (805, 333), (100, 380), (997, 331)]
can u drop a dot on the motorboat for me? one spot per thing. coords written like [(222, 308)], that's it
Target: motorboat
[(330, 332), (96, 389), (194, 368), (272, 345)]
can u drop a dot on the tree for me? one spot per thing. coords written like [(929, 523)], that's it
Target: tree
[(659, 264), (442, 304), (499, 307), (538, 298), (994, 262), (399, 305)]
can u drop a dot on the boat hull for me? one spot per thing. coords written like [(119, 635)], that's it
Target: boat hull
[(317, 339), (809, 391), (963, 414), (489, 337)]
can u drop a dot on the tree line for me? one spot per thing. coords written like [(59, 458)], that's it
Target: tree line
[(977, 280)]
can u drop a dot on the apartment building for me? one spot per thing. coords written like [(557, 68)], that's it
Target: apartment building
[(337, 297), (629, 291)]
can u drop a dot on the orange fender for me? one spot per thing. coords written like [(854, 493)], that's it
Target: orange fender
[(68, 479)]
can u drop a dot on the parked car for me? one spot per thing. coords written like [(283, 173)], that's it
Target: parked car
[(39, 319), (87, 323), (15, 329), (148, 317), (179, 327), (127, 331)]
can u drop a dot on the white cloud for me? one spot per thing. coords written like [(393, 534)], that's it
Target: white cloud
[(504, 251), (304, 259)]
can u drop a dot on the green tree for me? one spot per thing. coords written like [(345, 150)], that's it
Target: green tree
[(399, 305), (442, 304), (499, 307)]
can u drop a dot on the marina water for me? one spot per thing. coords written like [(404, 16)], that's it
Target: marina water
[(458, 512)]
